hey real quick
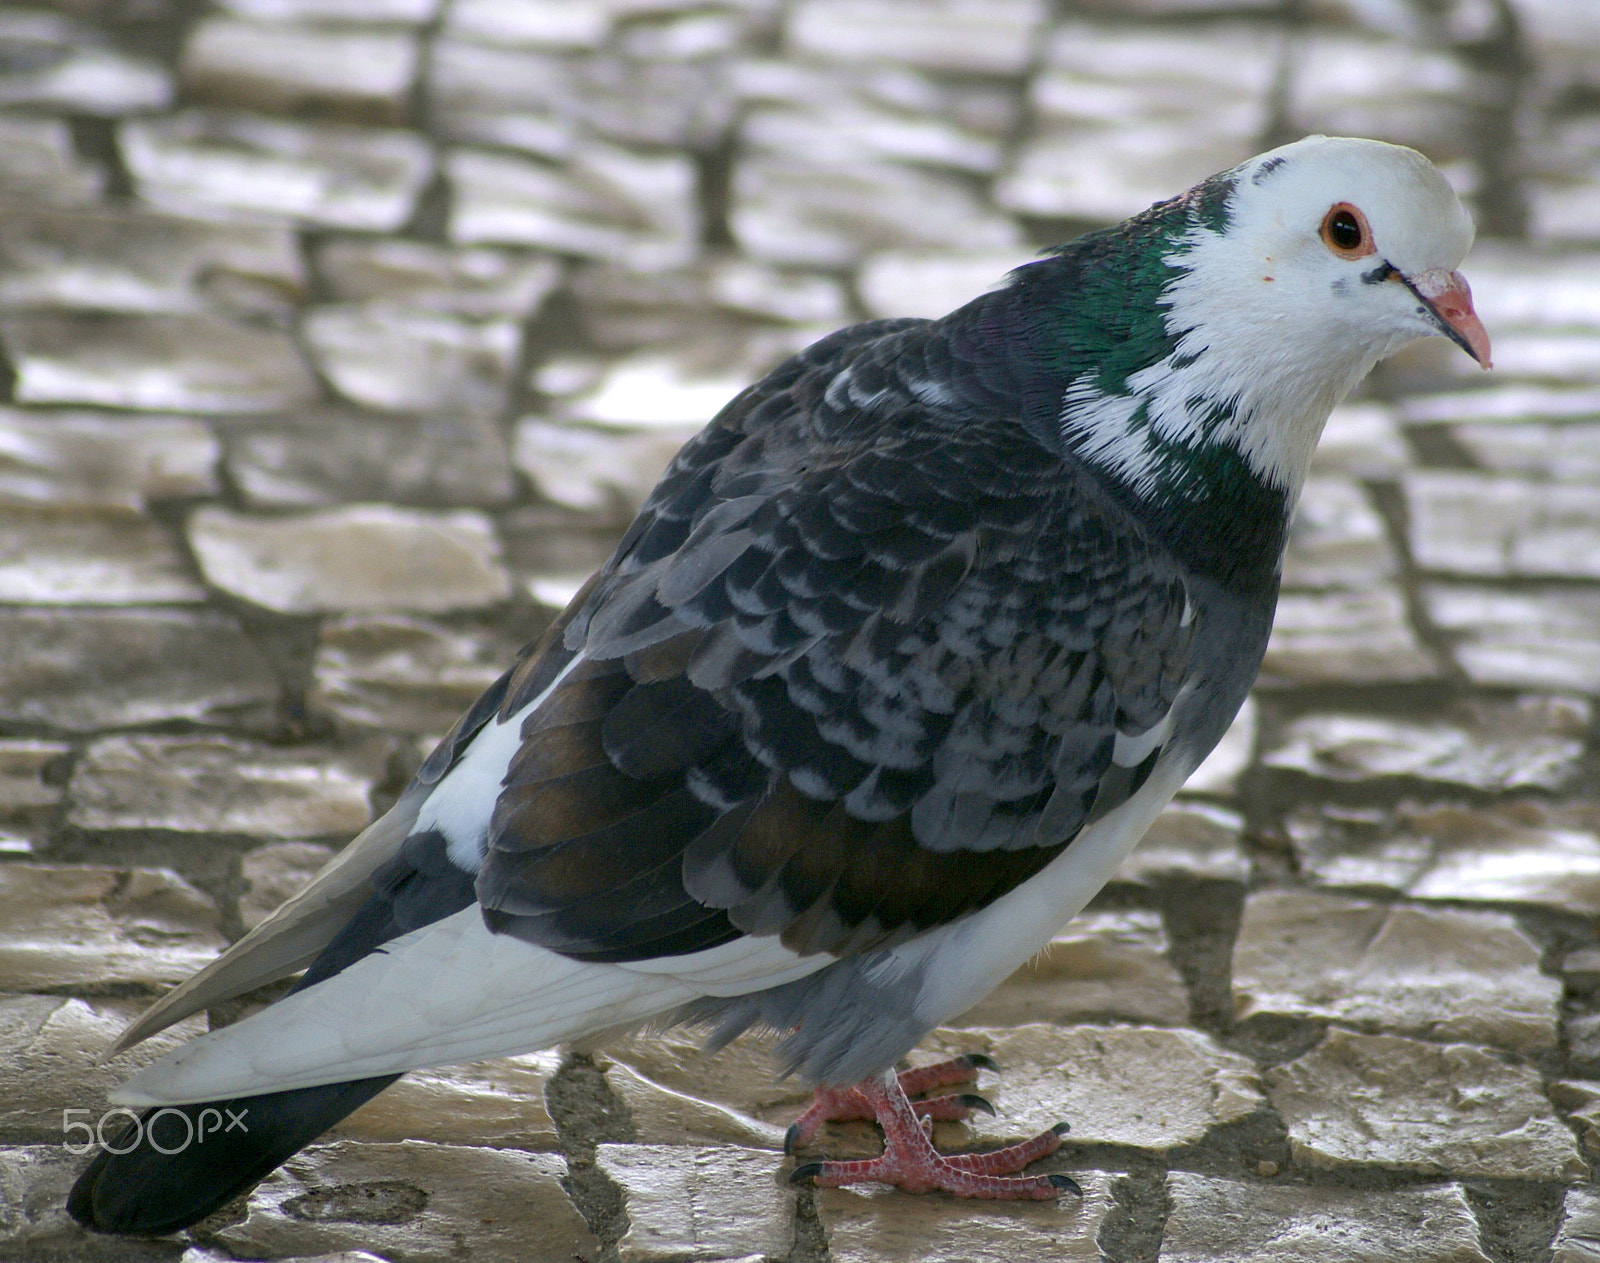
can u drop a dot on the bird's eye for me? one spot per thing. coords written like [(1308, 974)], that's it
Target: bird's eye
[(1345, 232)]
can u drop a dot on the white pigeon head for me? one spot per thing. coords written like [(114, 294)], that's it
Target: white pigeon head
[(1326, 255)]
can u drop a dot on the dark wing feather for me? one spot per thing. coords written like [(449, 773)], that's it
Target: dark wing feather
[(857, 670)]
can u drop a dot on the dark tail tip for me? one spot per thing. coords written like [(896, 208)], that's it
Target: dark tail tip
[(180, 1163)]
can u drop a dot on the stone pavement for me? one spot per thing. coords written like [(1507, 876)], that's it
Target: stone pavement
[(340, 339)]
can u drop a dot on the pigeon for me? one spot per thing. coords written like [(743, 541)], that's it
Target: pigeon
[(896, 664)]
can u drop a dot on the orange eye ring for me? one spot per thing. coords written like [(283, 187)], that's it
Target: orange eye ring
[(1346, 232)]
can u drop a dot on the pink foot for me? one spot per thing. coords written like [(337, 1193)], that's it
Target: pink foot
[(910, 1161), (845, 1105)]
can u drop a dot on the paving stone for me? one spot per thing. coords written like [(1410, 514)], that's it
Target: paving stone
[(1261, 1223), (547, 540), (593, 469), (84, 669), (401, 12), (850, 130), (1125, 115), (1509, 747), (361, 557), (477, 282), (1351, 85), (868, 1224), (208, 784), (115, 260), (323, 174), (751, 289), (550, 104), (51, 63), (690, 34), (630, 309), (1538, 638), (1540, 353), (1532, 289), (1563, 210), (1579, 1101), (653, 390), (975, 107), (38, 162), (607, 203), (402, 674), (155, 362), (1338, 539), (963, 36), (1135, 1086), (1513, 852), (27, 778), (413, 1201), (317, 458), (274, 873), (356, 74), (550, 23), (68, 461), (380, 355), (1095, 73), (1383, 1100), (1105, 174), (34, 1180), (677, 1094), (1361, 440), (1565, 453), (91, 928), (1190, 839), (90, 559), (52, 1062), (1350, 637), (898, 283), (1578, 1240), (1102, 965), (1521, 401), (798, 211), (700, 1203), (1476, 524), (1229, 758), (1440, 973), (495, 1103)]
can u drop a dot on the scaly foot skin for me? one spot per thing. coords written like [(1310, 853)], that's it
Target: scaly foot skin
[(846, 1105), (909, 1160)]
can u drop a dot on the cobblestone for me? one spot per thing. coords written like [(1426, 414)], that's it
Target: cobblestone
[(75, 460), (157, 362), (1400, 1103), (865, 1226), (1252, 1223), (410, 1201), (341, 338), (1135, 1086), (363, 557), (1304, 954)]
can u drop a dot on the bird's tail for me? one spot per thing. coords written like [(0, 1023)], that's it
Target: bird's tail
[(179, 1163)]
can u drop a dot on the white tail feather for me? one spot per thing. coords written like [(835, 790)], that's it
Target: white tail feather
[(449, 992)]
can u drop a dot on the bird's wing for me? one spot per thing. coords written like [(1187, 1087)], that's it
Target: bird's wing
[(867, 661)]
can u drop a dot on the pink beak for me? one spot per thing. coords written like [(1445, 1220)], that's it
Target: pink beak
[(1448, 296)]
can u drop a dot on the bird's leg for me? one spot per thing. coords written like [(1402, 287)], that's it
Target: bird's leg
[(910, 1161), (844, 1105)]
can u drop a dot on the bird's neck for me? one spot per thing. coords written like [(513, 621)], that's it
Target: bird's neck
[(1195, 405)]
